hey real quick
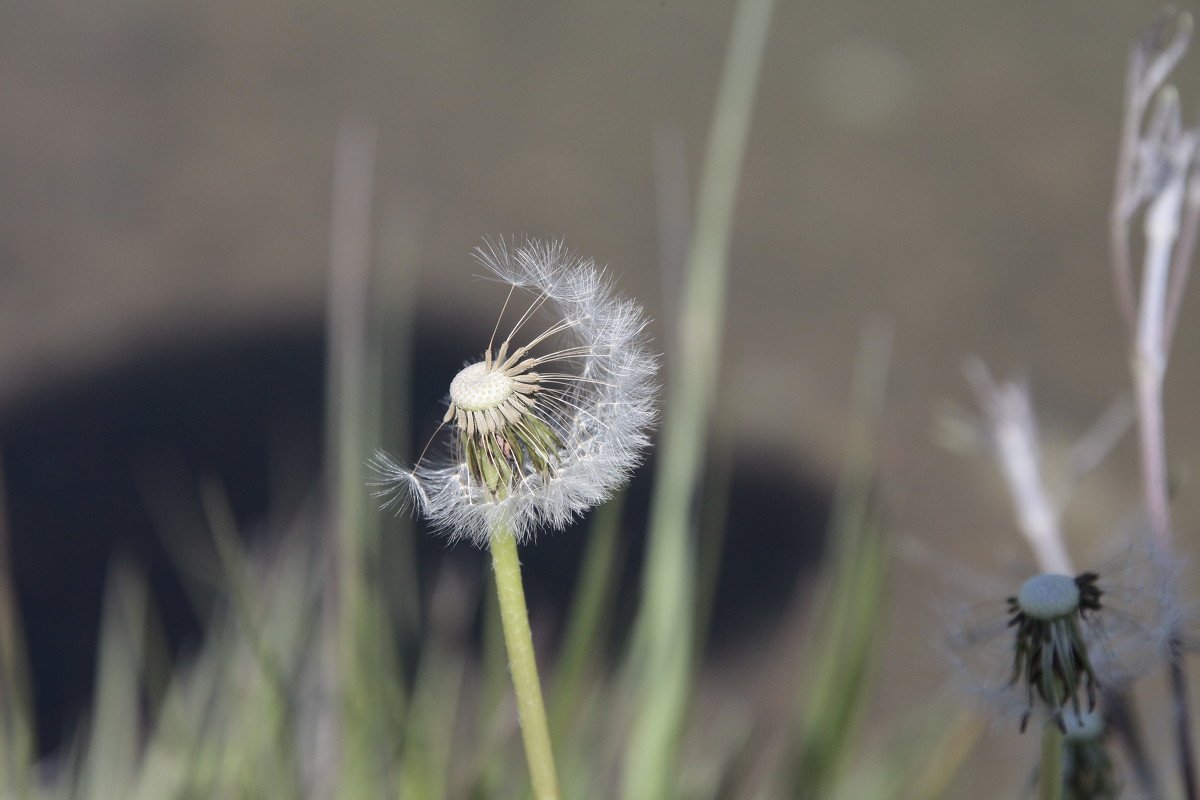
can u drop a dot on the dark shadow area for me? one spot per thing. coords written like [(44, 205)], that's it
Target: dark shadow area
[(112, 464), (87, 464)]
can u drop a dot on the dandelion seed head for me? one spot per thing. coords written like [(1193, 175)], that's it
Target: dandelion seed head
[(477, 388), (552, 420), (1050, 651), (1047, 597), (984, 646)]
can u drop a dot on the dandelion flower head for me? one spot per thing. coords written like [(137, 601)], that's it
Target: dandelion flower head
[(551, 420)]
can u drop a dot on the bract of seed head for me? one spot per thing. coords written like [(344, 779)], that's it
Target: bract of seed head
[(1049, 596), (552, 420)]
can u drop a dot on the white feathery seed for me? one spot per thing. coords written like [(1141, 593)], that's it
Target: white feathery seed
[(546, 425)]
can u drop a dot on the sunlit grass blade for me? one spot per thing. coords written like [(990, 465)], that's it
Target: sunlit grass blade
[(369, 679), (110, 755), (711, 530), (17, 730), (931, 766), (386, 416), (918, 761), (663, 641), (849, 626), (587, 627), (850, 613), (429, 754)]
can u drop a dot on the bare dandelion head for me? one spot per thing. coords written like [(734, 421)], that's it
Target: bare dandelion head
[(1118, 628), (547, 424), (1050, 654), (1048, 597)]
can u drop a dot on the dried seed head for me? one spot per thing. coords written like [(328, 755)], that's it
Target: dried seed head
[(1050, 655), (1047, 597), (547, 424)]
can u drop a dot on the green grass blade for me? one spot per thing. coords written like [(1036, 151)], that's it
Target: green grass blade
[(850, 612), (587, 624), (111, 754), (17, 730), (663, 646), (429, 751)]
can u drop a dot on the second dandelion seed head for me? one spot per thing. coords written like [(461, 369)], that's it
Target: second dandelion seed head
[(1050, 653)]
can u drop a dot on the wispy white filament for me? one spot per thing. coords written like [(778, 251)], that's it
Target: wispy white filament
[(599, 401)]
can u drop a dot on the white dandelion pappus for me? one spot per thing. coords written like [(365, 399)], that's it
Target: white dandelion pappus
[(547, 425)]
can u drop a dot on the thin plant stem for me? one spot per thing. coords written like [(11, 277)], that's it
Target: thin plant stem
[(1050, 782), (518, 640)]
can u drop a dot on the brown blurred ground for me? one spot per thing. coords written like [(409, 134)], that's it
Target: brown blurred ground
[(165, 172)]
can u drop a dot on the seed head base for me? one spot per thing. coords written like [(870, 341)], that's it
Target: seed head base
[(1050, 654)]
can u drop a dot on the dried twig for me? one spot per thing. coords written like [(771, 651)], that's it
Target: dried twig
[(1157, 181), (1013, 434)]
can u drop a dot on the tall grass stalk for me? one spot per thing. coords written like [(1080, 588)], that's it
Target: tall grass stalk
[(663, 638), (586, 631), (16, 717), (388, 399), (109, 760), (427, 748), (363, 656), (850, 612)]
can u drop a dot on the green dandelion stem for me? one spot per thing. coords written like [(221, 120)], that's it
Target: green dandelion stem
[(1051, 781), (519, 642)]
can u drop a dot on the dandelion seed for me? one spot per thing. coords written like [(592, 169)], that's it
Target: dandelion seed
[(544, 426), (1050, 653)]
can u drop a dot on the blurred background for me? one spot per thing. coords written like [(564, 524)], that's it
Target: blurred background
[(165, 183)]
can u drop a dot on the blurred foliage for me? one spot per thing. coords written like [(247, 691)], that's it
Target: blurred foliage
[(272, 705), (299, 688)]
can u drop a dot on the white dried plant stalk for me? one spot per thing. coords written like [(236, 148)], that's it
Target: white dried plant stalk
[(1158, 181)]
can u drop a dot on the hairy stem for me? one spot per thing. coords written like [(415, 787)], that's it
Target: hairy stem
[(519, 642), (1050, 784)]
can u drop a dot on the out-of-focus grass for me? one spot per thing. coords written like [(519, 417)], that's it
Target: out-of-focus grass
[(267, 707), (299, 688)]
